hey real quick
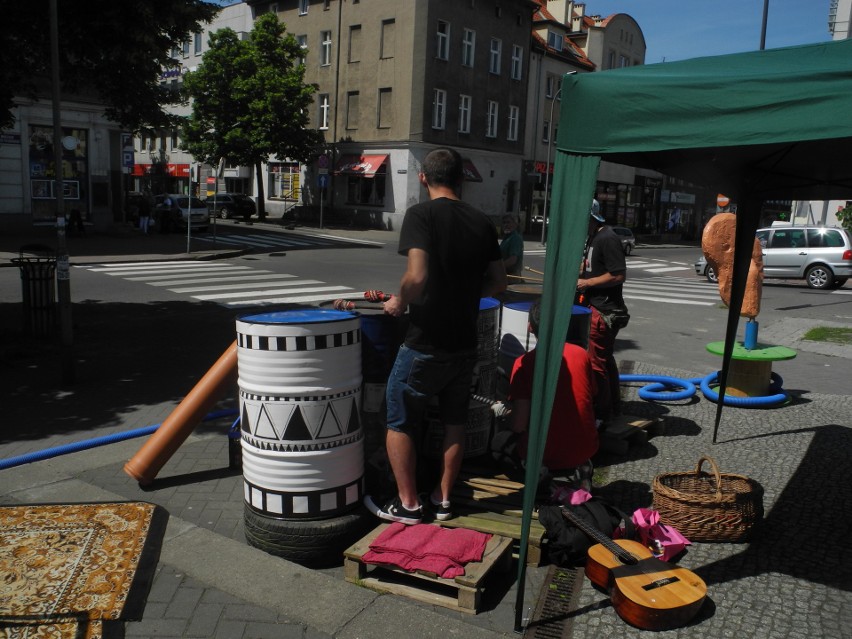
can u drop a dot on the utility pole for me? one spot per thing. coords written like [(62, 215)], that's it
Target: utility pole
[(63, 272)]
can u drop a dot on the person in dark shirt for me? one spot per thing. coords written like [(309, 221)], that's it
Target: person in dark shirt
[(453, 260), (601, 283)]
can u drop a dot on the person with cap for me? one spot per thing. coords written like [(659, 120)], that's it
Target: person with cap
[(600, 284)]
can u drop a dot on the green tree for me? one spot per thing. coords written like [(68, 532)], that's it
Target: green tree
[(844, 216), (112, 51), (250, 101)]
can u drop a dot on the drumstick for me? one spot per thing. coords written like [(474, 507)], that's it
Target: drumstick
[(532, 270), (348, 305), (526, 279), (376, 296)]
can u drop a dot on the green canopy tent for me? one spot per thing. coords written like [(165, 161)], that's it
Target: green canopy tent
[(773, 124)]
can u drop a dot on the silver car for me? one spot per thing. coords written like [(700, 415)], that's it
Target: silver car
[(821, 256)]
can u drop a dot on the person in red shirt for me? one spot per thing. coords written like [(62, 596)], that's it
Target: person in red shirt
[(572, 437)]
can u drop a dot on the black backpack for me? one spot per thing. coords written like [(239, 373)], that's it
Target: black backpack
[(567, 544)]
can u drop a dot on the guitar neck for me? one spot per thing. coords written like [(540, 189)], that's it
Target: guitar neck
[(599, 537)]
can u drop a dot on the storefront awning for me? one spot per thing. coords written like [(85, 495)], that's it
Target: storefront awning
[(470, 172), (175, 170), (361, 165)]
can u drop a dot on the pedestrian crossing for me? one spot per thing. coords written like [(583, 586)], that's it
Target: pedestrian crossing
[(227, 284), (289, 241), (672, 290)]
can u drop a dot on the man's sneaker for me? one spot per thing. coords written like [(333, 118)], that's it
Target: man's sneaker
[(395, 511), (442, 510)]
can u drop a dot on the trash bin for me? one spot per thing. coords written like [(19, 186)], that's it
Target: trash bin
[(38, 284)]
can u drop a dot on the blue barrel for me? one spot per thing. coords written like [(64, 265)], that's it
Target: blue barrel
[(580, 325)]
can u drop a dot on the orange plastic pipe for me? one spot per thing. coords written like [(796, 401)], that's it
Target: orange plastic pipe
[(159, 448)]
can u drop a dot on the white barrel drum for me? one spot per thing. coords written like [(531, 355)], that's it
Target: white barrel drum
[(515, 336), (300, 395)]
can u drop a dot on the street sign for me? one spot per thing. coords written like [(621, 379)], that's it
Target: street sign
[(322, 180), (322, 162)]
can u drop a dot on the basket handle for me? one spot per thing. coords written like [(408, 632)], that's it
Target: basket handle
[(716, 474)]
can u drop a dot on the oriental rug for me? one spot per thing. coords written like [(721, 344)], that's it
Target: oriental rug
[(76, 570)]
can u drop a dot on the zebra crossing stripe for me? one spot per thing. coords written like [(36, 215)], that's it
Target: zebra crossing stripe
[(225, 296)]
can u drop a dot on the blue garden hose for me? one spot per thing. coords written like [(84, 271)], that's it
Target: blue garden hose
[(778, 395), (74, 447), (656, 390)]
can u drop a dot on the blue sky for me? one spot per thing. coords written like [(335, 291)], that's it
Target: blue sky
[(683, 29)]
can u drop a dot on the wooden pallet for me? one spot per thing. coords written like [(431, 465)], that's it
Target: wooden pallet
[(494, 504), (464, 593)]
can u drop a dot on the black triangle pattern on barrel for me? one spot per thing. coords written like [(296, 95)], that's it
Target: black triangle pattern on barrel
[(354, 419), (278, 447), (297, 429), (245, 425), (329, 426)]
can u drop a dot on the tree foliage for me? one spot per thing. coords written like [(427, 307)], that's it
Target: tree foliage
[(844, 216), (112, 51), (250, 100)]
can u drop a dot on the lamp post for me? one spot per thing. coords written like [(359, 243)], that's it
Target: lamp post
[(547, 162)]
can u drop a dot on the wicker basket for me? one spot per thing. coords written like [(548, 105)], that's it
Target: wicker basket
[(709, 507)]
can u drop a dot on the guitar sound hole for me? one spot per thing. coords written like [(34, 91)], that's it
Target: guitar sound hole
[(660, 583)]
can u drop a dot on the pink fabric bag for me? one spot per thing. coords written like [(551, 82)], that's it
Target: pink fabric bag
[(664, 541)]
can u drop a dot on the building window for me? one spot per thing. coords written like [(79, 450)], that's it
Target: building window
[(623, 61), (517, 62), (303, 7), (545, 132), (355, 43), (324, 110), (198, 40), (610, 63), (554, 40), (325, 51), (388, 37), (491, 128), (439, 109), (353, 99), (465, 102), (326, 5), (514, 121), (366, 191), (494, 56), (186, 49), (549, 86), (303, 44), (385, 120), (443, 41), (468, 47)]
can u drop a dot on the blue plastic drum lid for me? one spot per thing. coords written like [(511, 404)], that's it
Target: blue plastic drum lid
[(299, 316), (580, 326), (487, 303)]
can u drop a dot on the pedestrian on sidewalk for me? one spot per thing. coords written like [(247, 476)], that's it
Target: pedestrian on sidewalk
[(144, 213), (453, 260), (601, 284), (512, 247)]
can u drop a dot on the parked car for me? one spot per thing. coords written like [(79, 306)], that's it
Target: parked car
[(628, 240), (821, 256), (187, 210), (228, 205), (704, 269)]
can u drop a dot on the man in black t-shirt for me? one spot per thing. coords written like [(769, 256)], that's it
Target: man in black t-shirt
[(604, 272), (453, 260)]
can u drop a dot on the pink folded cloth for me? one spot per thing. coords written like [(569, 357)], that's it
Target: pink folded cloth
[(442, 551)]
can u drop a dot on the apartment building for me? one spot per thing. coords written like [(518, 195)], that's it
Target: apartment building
[(397, 79)]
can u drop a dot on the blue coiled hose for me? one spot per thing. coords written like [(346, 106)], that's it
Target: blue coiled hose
[(74, 447), (656, 390), (778, 395)]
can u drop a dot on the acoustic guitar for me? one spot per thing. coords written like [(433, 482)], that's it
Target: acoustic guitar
[(646, 592)]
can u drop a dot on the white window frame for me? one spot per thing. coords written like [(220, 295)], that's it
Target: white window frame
[(325, 48), (324, 111), (514, 123), (468, 48), (303, 7), (517, 62), (549, 82), (442, 40), (439, 109), (555, 40), (492, 119), (545, 132), (302, 40), (494, 55), (465, 111), (197, 42)]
